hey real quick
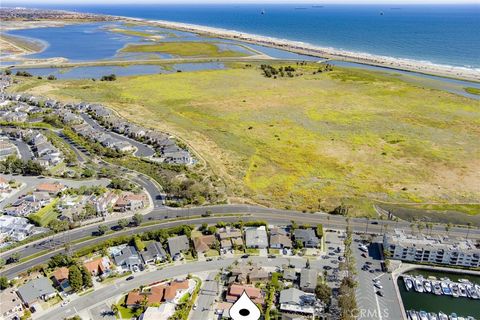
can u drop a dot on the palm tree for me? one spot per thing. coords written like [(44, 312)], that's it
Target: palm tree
[(448, 227), (469, 225), (114, 309)]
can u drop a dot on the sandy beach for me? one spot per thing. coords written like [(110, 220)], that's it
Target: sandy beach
[(424, 67)]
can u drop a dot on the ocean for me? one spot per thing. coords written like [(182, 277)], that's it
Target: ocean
[(441, 34)]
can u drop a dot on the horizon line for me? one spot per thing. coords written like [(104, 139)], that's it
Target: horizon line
[(217, 2)]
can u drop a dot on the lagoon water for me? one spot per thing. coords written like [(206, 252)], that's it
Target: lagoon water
[(442, 34)]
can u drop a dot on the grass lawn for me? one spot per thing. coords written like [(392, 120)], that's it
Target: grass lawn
[(128, 313), (309, 142), (252, 251), (184, 49), (46, 214), (274, 251), (212, 253)]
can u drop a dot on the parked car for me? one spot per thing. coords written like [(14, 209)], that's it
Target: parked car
[(130, 278)]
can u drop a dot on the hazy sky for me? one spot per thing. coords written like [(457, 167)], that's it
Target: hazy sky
[(10, 2)]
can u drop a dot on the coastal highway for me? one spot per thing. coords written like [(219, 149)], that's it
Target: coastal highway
[(229, 213)]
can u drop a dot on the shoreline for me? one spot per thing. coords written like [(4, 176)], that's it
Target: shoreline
[(416, 66), (391, 63)]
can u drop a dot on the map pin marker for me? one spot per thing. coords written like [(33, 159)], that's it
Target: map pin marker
[(244, 309)]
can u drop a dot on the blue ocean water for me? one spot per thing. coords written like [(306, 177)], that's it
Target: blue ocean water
[(442, 34)]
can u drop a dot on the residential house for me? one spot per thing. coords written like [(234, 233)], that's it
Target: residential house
[(7, 149), (248, 273), (15, 228), (129, 259), (36, 290), (236, 290), (10, 305), (230, 238), (203, 243), (99, 266), (4, 185), (280, 238), (177, 245), (154, 252), (256, 237), (297, 301), (308, 280), (52, 189), (290, 274), (130, 202), (307, 237), (60, 279)]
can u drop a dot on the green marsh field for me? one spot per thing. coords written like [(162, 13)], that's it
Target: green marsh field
[(311, 141)]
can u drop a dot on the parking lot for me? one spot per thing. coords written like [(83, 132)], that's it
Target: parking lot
[(374, 302)]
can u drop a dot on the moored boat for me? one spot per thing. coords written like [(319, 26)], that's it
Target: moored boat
[(453, 316), (454, 287), (462, 290), (412, 315), (437, 288), (423, 315), (445, 288), (428, 286), (418, 285), (442, 316), (408, 282), (432, 316)]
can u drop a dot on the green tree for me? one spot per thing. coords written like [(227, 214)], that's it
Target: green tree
[(137, 219), (102, 229), (122, 223), (26, 314), (138, 243), (3, 282), (75, 278), (324, 293), (86, 277)]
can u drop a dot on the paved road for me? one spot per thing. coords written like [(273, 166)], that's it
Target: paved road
[(23, 148), (206, 298), (273, 216), (143, 150), (99, 296)]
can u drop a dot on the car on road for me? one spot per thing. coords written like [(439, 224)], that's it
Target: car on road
[(374, 222), (130, 278)]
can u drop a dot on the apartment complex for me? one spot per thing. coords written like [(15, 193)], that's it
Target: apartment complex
[(431, 249)]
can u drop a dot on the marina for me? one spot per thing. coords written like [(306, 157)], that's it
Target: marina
[(463, 288), (432, 295)]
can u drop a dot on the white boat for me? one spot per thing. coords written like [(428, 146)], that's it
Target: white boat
[(471, 292), (412, 315), (461, 318), (463, 281), (423, 315), (418, 285), (477, 288), (453, 316), (442, 316), (432, 316), (462, 290), (428, 286), (437, 288), (408, 282), (445, 288), (454, 287)]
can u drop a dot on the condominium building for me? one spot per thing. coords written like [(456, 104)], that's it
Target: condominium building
[(431, 249)]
